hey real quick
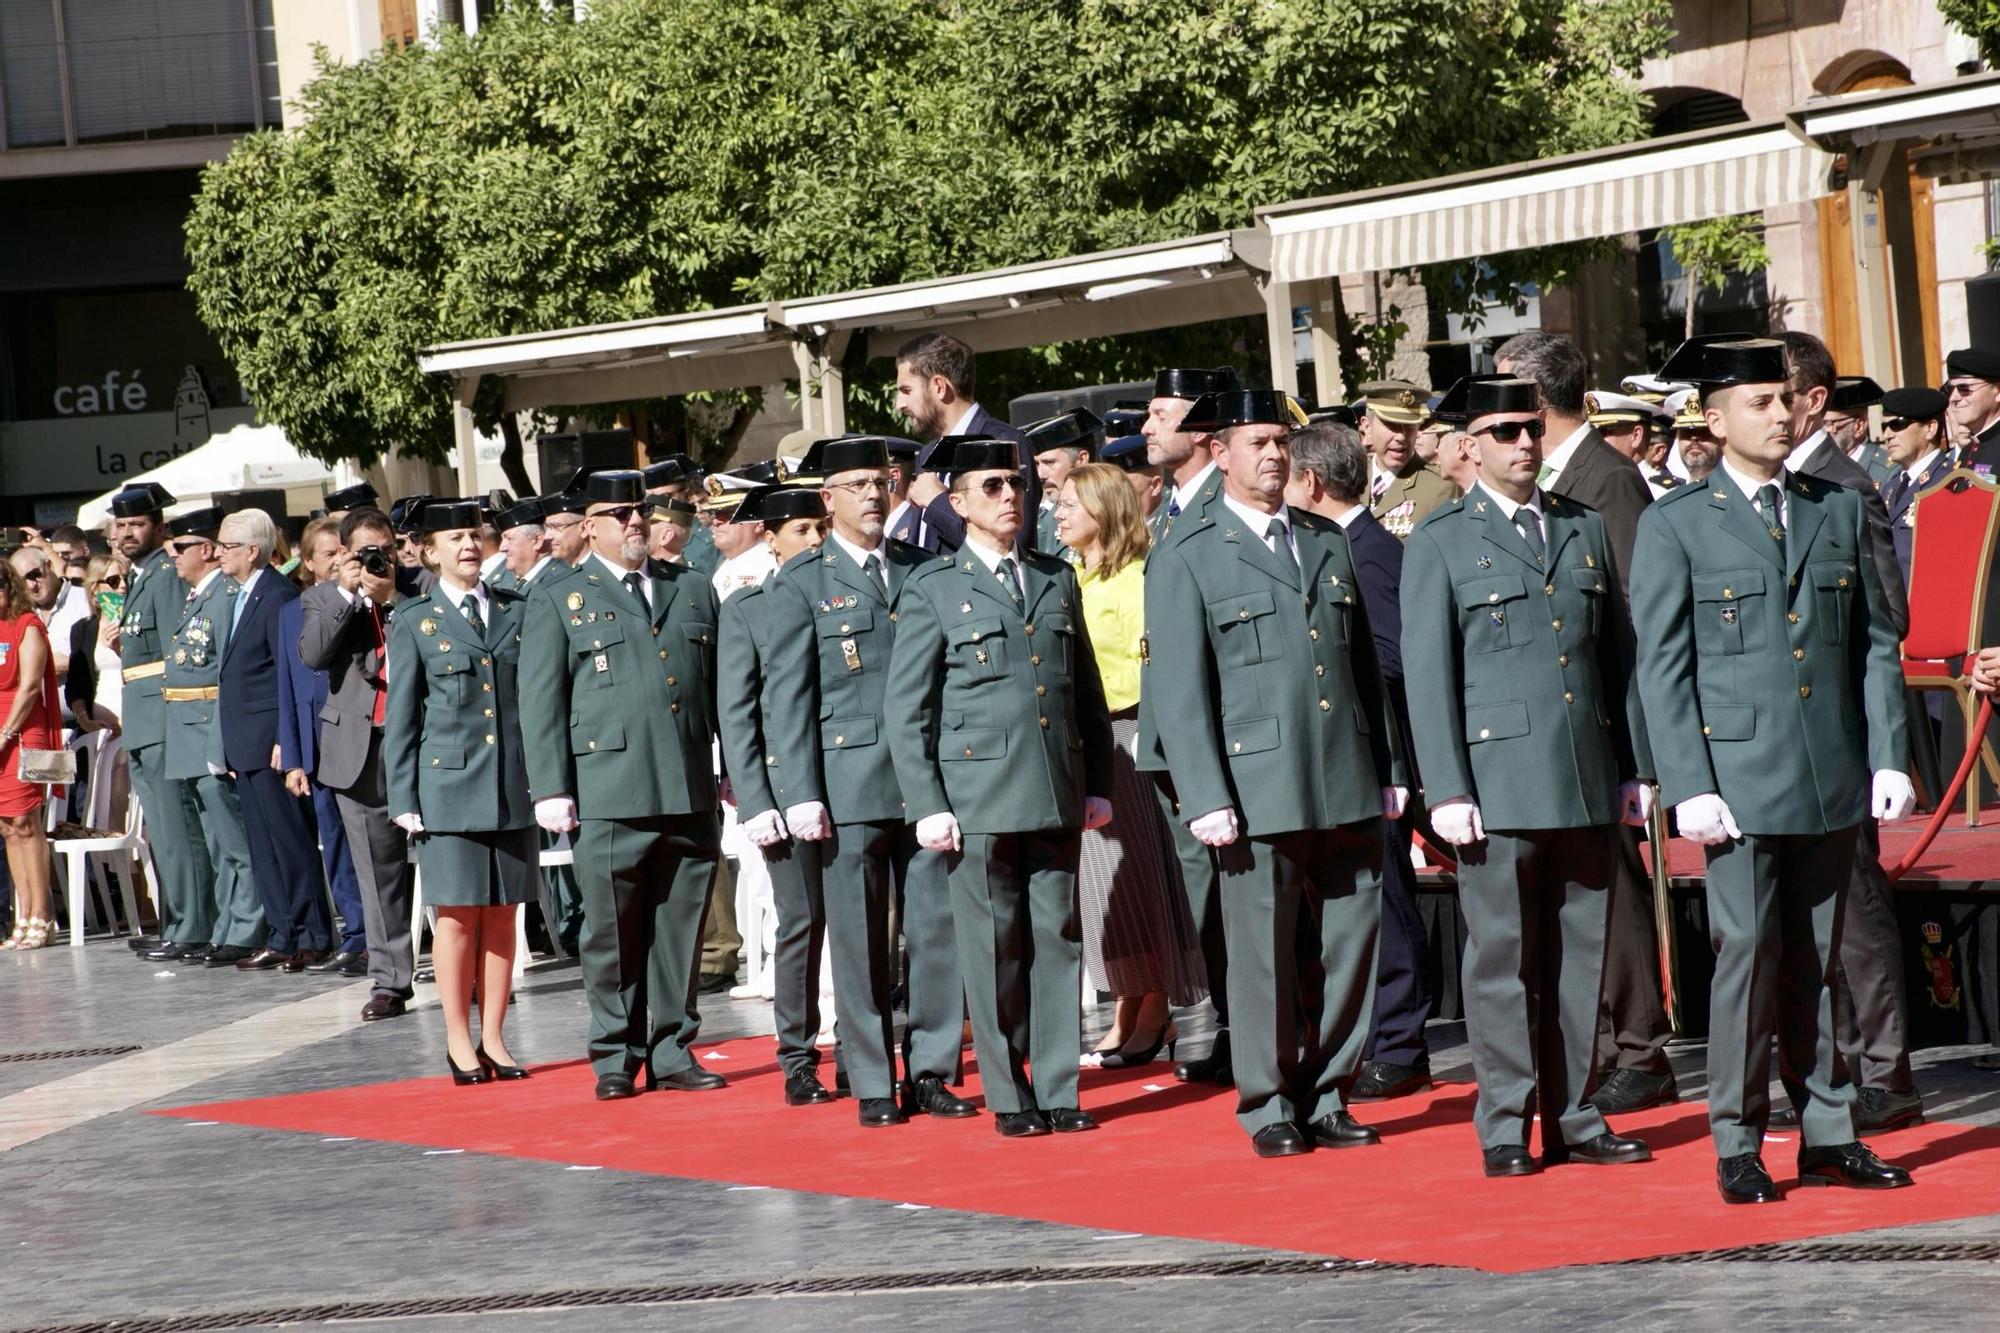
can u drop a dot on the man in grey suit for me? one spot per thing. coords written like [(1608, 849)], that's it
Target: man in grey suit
[(344, 630)]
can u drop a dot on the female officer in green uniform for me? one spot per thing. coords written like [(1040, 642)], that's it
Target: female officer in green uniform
[(458, 783)]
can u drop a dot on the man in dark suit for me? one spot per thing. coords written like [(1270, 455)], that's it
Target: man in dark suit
[(1919, 454), (906, 521), (288, 875), (1330, 478), (934, 383), (344, 625), (1580, 465), (301, 696)]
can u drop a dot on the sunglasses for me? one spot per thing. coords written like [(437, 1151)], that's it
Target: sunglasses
[(1506, 432), (34, 575), (183, 547), (1899, 423), (112, 581), (1960, 388), (992, 486), (620, 514)]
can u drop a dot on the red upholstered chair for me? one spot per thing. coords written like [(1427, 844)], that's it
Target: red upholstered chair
[(1951, 552)]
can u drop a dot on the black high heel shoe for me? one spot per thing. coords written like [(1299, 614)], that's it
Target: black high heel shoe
[(1126, 1057), (465, 1077), (494, 1069)]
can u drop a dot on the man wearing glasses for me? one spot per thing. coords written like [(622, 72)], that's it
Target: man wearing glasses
[(1002, 741), (834, 616), (1529, 737), (617, 683), (1973, 388)]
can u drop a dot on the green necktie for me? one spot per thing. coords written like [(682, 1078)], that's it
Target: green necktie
[(1282, 548), (872, 567), (1531, 532), (470, 606), (1771, 504), (1011, 579)]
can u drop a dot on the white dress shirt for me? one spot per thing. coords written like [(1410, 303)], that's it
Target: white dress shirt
[(1183, 496), (1533, 504), (477, 592), (618, 575), (1259, 523), (1556, 459), (1749, 488)]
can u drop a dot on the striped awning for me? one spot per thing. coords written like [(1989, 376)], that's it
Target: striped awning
[(1685, 178)]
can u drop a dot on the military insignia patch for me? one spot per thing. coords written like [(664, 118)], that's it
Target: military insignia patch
[(575, 601), (1484, 562), (576, 620), (1729, 615), (1590, 562), (427, 626), (611, 615), (965, 608), (181, 657), (602, 662), (850, 654), (444, 645), (590, 617)]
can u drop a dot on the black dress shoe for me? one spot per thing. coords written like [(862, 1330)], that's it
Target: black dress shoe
[(877, 1112), (383, 1005), (930, 1096), (304, 959), (1743, 1179), (1341, 1130), (1281, 1140), (1630, 1090), (335, 964), (714, 983), (505, 1073), (144, 943), (225, 955), (1211, 1068), (172, 951), (692, 1079), (1020, 1124), (1509, 1159), (1069, 1120), (1380, 1080), (264, 960), (615, 1087), (806, 1090), (1854, 1165), (1606, 1149), (1878, 1110), (1782, 1117)]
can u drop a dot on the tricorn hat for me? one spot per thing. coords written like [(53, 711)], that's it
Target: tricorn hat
[(1483, 395), (196, 523), (1853, 394), (1712, 361), (140, 499), (773, 505), (621, 485), (1078, 428), (844, 453), (445, 516), (1243, 407), (965, 454), (520, 514), (1193, 384), (361, 495)]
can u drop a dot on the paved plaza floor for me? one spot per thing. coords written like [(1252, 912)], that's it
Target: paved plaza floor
[(120, 1218)]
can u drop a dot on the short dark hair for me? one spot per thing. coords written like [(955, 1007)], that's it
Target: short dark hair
[(1333, 453), (1553, 362), (69, 534), (939, 354), (358, 519), (1806, 357)]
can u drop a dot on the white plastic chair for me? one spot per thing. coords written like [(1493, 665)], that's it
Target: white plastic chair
[(129, 848)]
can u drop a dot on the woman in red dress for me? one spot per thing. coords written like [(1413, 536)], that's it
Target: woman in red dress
[(27, 691)]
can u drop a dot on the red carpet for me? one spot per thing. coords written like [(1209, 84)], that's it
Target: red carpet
[(1957, 855), (1167, 1162)]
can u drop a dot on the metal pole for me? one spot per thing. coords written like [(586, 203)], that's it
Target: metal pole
[(467, 434)]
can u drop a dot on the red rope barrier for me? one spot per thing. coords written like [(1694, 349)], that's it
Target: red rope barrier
[(1946, 803), (1442, 860)]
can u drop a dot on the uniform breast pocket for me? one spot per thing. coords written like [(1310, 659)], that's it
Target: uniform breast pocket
[(447, 685), (844, 646), (978, 649), (1246, 628), (1493, 613), (700, 636), (1061, 629), (1729, 612), (1835, 587), (592, 645), (1588, 583)]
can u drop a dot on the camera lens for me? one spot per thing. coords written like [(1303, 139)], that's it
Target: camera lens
[(374, 562)]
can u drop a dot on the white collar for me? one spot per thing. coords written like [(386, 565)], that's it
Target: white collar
[(964, 425), (540, 565), (457, 596), (1556, 459), (1748, 487), (207, 579), (990, 558), (614, 571), (243, 588), (1801, 451), (1256, 520), (1183, 495), (1347, 519), (855, 553), (1533, 504), (1917, 469)]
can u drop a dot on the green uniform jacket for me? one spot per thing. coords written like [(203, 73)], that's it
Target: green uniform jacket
[(1262, 700), (1770, 678), (451, 735), (832, 631), (194, 661), (153, 606), (1152, 757), (1414, 495), (1528, 701), (747, 692), (1000, 715), (618, 702)]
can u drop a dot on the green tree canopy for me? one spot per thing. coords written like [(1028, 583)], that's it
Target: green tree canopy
[(674, 155)]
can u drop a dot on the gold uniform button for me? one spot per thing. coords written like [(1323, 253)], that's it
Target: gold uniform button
[(1319, 668), (1729, 592), (1242, 615), (489, 738), (1704, 731), (1563, 660), (1798, 654), (1324, 706), (1843, 580), (597, 643), (656, 631), (968, 752), (845, 628), (487, 686), (1045, 724), (1031, 629), (663, 654), (486, 661), (489, 712), (1237, 747), (1792, 616), (1548, 590), (434, 763), (892, 617), (1034, 659), (1805, 691), (673, 680), (673, 708), (1041, 690), (1556, 623), (593, 745), (1314, 633), (1485, 733), (1492, 596), (1568, 698), (840, 740)]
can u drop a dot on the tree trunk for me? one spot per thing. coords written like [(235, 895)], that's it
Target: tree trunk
[(512, 464), (1693, 290)]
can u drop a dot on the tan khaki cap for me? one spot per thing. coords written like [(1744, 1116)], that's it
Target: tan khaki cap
[(1397, 402)]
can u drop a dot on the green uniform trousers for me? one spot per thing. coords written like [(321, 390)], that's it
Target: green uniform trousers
[(1302, 911), (238, 906), (645, 885), (798, 895), (174, 831), (1774, 905), (1020, 946), (933, 984), (859, 890), (1535, 904)]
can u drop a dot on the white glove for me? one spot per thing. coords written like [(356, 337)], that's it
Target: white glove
[(1395, 800), (765, 829), (1706, 819), (557, 814), (1457, 822), (1635, 803), (808, 821), (1096, 812), (1893, 797), (1217, 828), (412, 823), (217, 771), (939, 832)]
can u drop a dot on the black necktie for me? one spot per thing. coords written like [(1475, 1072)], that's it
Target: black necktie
[(1769, 501), (1282, 548), (1531, 532), (1898, 489), (470, 606), (638, 590)]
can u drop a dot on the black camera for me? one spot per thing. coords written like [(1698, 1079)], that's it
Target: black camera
[(375, 561)]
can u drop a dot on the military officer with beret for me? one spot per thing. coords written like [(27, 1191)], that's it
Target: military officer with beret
[(748, 692), (835, 615), (189, 689), (1529, 735), (458, 783), (1402, 490), (1003, 746), (154, 599), (1769, 668), (618, 722), (1260, 673)]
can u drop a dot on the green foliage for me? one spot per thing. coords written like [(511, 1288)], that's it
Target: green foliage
[(1989, 250), (1711, 250), (1980, 20), (673, 155)]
